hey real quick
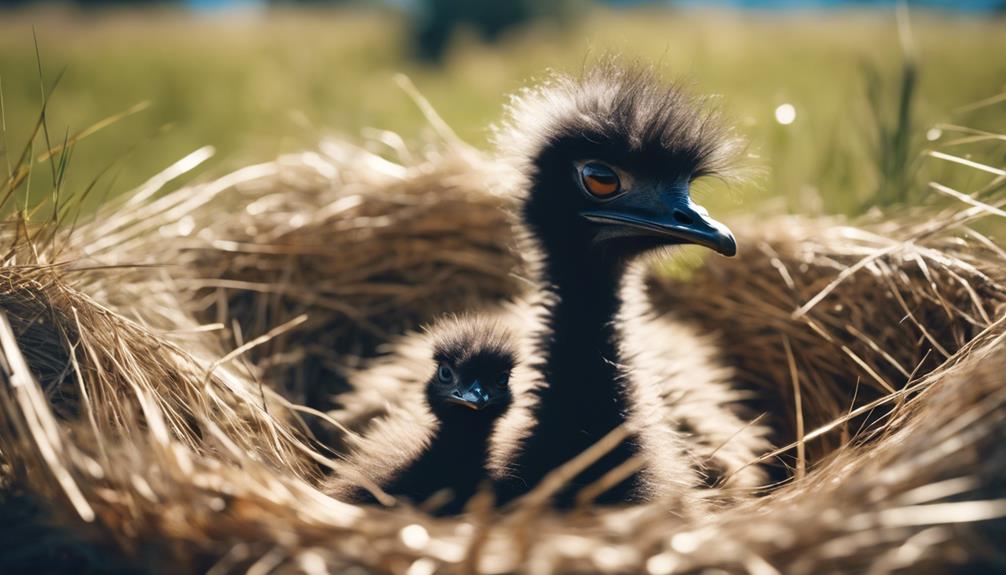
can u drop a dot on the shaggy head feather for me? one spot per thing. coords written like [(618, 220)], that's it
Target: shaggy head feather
[(627, 110), (465, 339)]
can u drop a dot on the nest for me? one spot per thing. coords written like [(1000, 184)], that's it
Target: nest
[(166, 368), (367, 248)]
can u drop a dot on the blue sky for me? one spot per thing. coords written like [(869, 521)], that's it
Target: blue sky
[(966, 5), (220, 4)]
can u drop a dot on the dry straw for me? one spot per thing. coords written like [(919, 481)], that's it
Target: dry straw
[(163, 366)]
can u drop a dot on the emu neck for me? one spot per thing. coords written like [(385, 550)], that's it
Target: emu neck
[(455, 460), (584, 398), (578, 327)]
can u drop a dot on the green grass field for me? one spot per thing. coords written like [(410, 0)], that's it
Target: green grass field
[(255, 87)]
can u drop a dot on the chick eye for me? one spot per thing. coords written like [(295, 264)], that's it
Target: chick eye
[(600, 180), (504, 380), (445, 374)]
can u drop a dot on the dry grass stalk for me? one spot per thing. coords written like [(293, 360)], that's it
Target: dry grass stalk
[(917, 294), (390, 247)]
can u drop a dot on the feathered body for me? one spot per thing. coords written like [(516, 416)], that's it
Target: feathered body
[(605, 361), (445, 447)]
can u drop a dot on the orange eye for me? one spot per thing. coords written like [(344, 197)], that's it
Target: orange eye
[(600, 180)]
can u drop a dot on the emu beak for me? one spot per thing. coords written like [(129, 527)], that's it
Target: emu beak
[(474, 397), (667, 213)]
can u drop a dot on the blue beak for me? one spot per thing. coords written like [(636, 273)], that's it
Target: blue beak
[(473, 397), (668, 213)]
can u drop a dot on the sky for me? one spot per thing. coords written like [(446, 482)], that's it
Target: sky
[(964, 5)]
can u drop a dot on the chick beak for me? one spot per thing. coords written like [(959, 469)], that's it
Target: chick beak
[(473, 396), (668, 213)]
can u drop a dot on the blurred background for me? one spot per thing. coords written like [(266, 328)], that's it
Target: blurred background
[(840, 99)]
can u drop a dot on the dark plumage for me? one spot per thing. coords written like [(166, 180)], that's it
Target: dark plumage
[(475, 340), (467, 392), (629, 114), (607, 161)]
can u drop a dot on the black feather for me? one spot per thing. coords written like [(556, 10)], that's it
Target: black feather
[(653, 131), (471, 338), (622, 112), (455, 459)]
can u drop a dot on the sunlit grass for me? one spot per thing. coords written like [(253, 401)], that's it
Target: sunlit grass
[(253, 87)]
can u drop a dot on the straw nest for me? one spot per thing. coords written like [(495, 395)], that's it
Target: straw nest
[(166, 367)]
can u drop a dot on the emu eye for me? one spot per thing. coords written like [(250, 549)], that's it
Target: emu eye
[(600, 180), (445, 374), (504, 380)]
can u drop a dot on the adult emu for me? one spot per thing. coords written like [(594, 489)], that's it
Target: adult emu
[(607, 164)]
